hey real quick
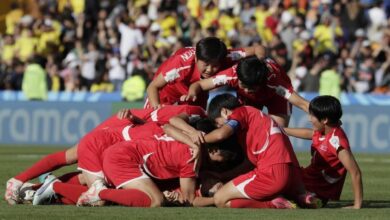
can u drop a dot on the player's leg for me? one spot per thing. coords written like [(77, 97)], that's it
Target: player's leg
[(47, 164), (138, 193), (256, 189)]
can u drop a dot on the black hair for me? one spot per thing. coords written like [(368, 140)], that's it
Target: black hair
[(326, 107), (205, 125), (225, 100), (252, 72), (211, 49), (228, 146)]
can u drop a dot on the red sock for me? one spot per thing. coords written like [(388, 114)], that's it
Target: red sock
[(126, 197), (49, 163), (69, 191), (248, 203), (70, 178), (66, 201)]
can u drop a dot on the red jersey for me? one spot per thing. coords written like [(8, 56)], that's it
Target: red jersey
[(261, 138), (161, 115), (278, 83), (325, 165), (180, 71), (164, 158)]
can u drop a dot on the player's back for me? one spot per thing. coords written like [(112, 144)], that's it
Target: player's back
[(264, 141), (165, 158)]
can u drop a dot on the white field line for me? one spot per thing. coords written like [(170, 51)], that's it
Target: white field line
[(373, 160)]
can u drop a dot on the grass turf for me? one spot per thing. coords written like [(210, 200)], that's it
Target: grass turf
[(376, 178)]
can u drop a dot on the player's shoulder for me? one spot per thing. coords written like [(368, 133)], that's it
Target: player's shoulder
[(185, 54), (338, 138)]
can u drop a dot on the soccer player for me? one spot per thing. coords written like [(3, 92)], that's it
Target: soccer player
[(276, 171), (189, 65), (130, 165), (259, 83), (331, 154), (56, 160)]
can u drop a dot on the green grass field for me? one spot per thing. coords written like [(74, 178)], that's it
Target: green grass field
[(376, 178)]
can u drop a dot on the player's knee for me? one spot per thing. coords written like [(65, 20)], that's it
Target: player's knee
[(219, 200), (157, 201)]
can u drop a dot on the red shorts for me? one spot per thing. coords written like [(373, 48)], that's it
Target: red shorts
[(122, 165), (90, 151), (269, 182), (316, 182)]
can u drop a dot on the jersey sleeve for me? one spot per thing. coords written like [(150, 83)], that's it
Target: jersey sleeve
[(175, 68), (278, 80), (238, 115), (226, 77), (338, 140)]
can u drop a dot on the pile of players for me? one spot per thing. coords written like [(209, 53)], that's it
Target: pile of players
[(173, 153)]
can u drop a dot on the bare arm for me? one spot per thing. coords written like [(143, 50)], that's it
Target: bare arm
[(349, 162), (198, 87), (181, 122), (219, 134), (203, 201), (153, 89), (187, 187), (259, 51), (178, 135), (299, 101), (304, 133)]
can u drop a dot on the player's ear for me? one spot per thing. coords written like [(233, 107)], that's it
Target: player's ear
[(224, 113), (325, 121)]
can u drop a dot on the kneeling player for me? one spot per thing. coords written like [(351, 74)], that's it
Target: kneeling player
[(331, 153)]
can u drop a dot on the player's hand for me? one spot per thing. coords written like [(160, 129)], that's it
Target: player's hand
[(197, 137), (188, 97), (195, 152), (124, 114), (155, 107), (172, 196)]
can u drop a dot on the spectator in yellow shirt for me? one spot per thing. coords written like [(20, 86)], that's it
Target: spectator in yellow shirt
[(325, 35), (13, 17), (49, 38), (209, 15), (102, 84), (25, 46), (8, 50)]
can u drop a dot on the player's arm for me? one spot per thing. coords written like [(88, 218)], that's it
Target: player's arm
[(258, 50), (153, 89), (349, 162), (181, 122), (126, 114), (197, 87), (178, 135), (304, 133), (203, 201), (219, 134), (187, 188), (299, 101)]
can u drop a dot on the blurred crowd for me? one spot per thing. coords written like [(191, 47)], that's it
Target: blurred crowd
[(117, 45)]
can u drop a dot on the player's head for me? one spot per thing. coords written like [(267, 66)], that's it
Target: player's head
[(325, 110), (221, 106), (252, 73), (217, 152), (210, 52)]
